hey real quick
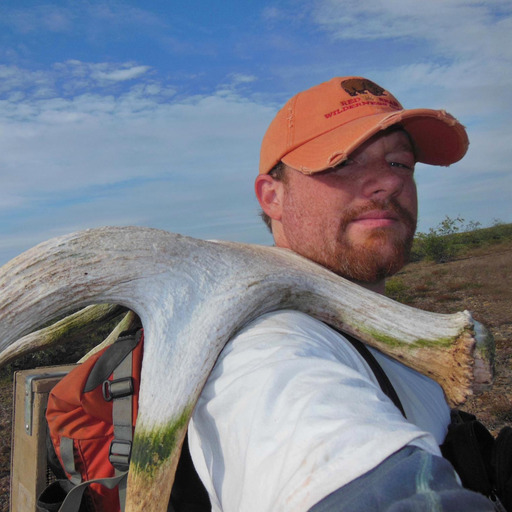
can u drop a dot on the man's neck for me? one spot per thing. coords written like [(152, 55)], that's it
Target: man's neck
[(377, 287)]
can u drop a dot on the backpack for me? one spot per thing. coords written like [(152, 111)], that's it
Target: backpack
[(483, 463), (91, 414)]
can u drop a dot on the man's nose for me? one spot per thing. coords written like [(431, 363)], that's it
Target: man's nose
[(383, 181)]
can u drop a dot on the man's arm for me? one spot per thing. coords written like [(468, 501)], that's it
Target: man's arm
[(411, 479)]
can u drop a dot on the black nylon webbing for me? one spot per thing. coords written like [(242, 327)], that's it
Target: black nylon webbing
[(112, 358), (380, 374)]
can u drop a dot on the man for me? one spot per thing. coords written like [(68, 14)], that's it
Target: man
[(292, 417)]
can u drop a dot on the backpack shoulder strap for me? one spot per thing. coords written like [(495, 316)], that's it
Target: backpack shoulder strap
[(112, 358), (120, 391), (63, 496)]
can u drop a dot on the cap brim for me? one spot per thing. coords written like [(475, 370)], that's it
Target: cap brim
[(439, 139)]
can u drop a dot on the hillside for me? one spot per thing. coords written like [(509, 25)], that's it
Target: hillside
[(479, 280)]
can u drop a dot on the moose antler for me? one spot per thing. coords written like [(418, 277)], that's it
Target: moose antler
[(72, 328), (192, 297)]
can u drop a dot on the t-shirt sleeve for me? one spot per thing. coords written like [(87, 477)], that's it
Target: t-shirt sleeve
[(291, 412)]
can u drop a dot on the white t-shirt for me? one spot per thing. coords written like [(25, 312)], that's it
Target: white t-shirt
[(291, 412)]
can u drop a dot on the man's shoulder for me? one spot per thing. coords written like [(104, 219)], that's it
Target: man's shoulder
[(285, 318), (290, 325), (289, 334)]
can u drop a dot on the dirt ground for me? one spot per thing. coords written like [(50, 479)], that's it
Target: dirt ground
[(480, 282)]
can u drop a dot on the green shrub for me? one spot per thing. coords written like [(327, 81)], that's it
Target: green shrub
[(446, 240), (451, 236), (397, 290), (439, 244)]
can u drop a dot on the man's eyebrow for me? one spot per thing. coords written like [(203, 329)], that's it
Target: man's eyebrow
[(409, 148), (406, 144)]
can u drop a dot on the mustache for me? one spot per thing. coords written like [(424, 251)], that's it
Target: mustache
[(388, 205)]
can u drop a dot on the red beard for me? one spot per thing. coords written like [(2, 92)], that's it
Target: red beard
[(382, 253)]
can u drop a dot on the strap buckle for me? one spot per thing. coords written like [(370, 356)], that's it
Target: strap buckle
[(119, 454), (118, 388)]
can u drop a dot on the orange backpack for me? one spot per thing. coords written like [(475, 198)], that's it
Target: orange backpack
[(91, 414)]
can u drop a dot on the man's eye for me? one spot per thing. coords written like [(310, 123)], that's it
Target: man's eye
[(339, 167), (346, 163), (402, 166)]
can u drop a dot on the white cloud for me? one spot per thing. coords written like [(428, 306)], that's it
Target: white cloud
[(470, 40), (436, 20), (13, 80), (78, 75), (121, 75), (240, 78), (149, 159)]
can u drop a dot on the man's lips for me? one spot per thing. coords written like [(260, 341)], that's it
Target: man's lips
[(376, 218)]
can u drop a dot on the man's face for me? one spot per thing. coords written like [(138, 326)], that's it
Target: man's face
[(359, 218)]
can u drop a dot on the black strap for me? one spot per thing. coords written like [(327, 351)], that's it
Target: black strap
[(380, 374), (112, 358), (63, 496)]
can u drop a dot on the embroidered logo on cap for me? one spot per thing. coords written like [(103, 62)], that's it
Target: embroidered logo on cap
[(364, 93), (355, 86)]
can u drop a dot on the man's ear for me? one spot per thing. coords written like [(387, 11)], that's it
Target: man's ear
[(270, 195)]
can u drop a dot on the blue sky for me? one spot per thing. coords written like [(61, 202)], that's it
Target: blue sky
[(152, 113)]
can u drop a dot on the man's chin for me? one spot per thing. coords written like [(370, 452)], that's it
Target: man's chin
[(380, 256), (387, 244)]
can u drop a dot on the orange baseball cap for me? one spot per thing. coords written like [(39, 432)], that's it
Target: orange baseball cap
[(320, 127)]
